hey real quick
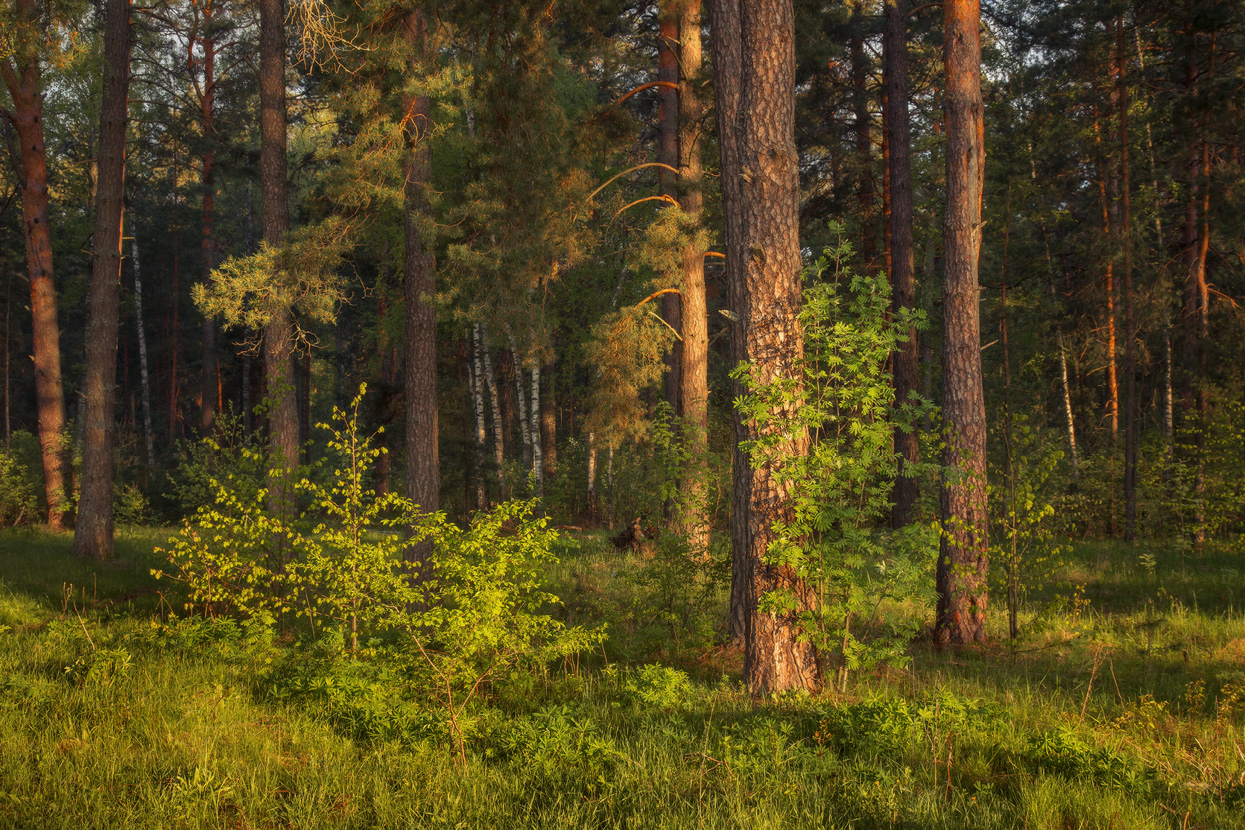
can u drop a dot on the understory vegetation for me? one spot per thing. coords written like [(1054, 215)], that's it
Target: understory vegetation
[(1124, 707)]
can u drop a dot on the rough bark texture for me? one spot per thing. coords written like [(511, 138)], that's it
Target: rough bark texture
[(279, 332), (423, 477), (774, 658), (668, 153), (962, 560), (694, 374), (903, 268), (22, 78), (727, 65), (475, 377), (499, 446), (93, 531)]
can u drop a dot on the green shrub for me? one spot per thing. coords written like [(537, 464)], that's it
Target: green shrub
[(20, 480), (841, 488)]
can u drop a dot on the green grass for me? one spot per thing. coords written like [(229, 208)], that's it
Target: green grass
[(112, 716)]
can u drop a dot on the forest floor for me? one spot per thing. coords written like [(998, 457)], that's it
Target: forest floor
[(1124, 710)]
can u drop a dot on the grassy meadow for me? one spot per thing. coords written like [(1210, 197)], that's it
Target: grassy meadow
[(1121, 708)]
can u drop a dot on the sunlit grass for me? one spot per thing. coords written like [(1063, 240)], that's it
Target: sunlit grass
[(1120, 714)]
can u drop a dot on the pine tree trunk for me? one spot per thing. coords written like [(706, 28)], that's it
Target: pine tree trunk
[(423, 478), (1126, 275), (93, 533), (694, 372), (963, 558), (22, 78), (207, 93), (864, 143), (902, 259), (727, 68), (279, 331), (775, 658), (668, 153), (143, 375)]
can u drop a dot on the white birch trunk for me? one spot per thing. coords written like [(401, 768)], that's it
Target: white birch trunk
[(477, 406), (592, 474), (538, 471), (142, 354), (490, 380), (520, 398)]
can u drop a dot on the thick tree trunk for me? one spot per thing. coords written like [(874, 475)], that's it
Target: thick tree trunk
[(963, 558), (423, 477), (144, 377), (903, 270), (727, 67), (21, 77), (94, 528), (668, 104), (694, 372), (279, 331), (775, 657)]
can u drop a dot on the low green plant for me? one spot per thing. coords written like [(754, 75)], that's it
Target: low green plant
[(841, 397), (19, 481), (230, 457)]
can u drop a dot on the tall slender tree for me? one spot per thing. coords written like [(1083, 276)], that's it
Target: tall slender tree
[(899, 220), (23, 79), (93, 534), (422, 462), (963, 558)]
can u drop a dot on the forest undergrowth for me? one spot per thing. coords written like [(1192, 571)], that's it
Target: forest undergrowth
[(1123, 708)]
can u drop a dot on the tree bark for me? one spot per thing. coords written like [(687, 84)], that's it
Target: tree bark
[(694, 372), (22, 78), (775, 658), (1126, 275), (93, 533), (476, 376), (144, 377), (548, 424), (499, 446), (279, 331), (668, 125), (207, 96), (902, 259), (423, 478), (865, 187), (525, 430), (963, 557), (538, 461), (727, 69)]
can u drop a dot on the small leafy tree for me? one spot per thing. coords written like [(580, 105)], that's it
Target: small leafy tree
[(477, 612), (841, 489), (1023, 513)]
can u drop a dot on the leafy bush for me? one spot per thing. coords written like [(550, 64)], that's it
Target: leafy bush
[(230, 458), (20, 480), (448, 609), (840, 489)]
